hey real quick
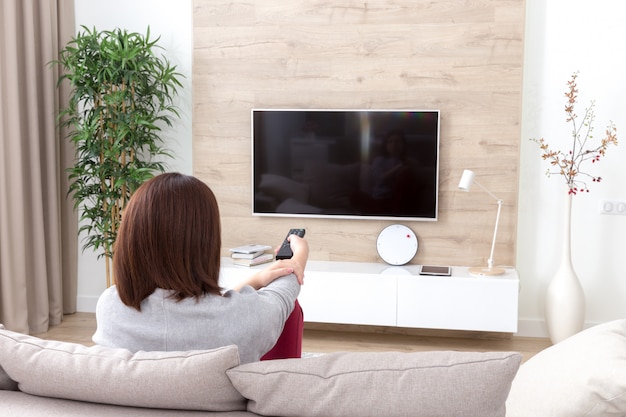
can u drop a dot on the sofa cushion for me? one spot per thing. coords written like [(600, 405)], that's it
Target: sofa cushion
[(6, 383), (194, 380), (584, 375), (19, 404), (380, 384)]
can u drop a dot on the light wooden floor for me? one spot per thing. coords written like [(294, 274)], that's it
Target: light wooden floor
[(79, 327)]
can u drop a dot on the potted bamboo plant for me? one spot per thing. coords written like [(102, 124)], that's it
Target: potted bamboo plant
[(121, 96)]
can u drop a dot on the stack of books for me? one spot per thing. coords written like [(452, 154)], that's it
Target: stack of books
[(250, 255)]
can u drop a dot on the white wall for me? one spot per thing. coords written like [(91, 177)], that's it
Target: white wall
[(564, 36), (172, 20)]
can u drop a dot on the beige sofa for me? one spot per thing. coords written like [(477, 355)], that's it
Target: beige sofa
[(64, 379), (584, 375)]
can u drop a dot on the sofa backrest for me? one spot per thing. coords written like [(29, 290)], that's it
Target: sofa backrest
[(339, 384)]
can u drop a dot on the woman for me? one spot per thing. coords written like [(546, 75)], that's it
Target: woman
[(166, 267)]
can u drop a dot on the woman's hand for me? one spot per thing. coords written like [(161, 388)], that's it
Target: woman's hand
[(300, 248), (295, 265), (283, 267)]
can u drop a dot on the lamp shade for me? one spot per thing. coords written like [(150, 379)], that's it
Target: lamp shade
[(466, 180)]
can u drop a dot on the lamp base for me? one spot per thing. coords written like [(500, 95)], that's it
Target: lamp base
[(486, 271)]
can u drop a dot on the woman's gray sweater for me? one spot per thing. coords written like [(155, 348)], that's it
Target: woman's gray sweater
[(253, 320)]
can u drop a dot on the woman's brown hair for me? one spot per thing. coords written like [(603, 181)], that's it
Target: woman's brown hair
[(169, 238)]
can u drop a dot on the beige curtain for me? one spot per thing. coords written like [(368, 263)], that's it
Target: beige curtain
[(38, 228)]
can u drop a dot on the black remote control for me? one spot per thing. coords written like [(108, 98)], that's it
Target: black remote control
[(284, 252)]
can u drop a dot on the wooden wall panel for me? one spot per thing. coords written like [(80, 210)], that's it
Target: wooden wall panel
[(464, 58)]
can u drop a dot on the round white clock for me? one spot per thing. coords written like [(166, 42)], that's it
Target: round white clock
[(396, 244)]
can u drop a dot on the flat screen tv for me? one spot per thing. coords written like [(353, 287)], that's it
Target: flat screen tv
[(361, 164)]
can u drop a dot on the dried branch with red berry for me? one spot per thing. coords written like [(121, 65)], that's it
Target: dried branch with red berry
[(569, 164)]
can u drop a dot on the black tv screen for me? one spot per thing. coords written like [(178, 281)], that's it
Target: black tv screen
[(376, 164)]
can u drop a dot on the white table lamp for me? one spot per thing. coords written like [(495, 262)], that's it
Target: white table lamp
[(467, 179)]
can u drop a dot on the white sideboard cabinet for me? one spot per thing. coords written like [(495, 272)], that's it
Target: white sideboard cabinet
[(384, 295)]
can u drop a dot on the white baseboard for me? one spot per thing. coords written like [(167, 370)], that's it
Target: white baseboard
[(525, 327), (86, 304), (537, 327), (531, 328)]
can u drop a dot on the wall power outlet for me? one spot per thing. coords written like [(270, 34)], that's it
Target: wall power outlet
[(613, 207)]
